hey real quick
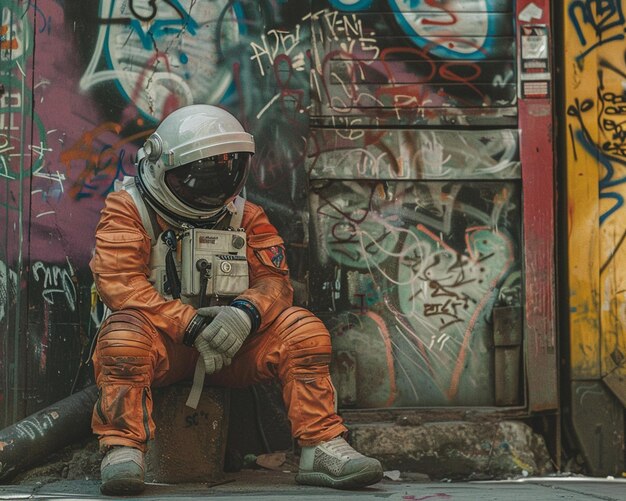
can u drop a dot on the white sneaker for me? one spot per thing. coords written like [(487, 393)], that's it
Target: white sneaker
[(336, 464), (121, 472)]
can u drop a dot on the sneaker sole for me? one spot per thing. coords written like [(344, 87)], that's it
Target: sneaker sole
[(122, 487), (353, 481)]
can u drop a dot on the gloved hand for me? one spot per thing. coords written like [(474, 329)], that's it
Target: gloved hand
[(214, 361), (227, 331)]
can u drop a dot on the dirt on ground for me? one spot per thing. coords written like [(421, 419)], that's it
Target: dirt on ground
[(79, 461)]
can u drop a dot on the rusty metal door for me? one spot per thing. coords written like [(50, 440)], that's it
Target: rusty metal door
[(431, 201)]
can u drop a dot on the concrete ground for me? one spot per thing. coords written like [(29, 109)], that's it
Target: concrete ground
[(266, 485)]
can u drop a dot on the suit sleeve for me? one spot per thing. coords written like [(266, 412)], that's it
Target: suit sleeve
[(120, 266), (270, 290)]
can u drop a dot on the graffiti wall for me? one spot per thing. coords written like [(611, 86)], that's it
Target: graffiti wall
[(414, 167), (596, 150), (388, 156), (596, 169)]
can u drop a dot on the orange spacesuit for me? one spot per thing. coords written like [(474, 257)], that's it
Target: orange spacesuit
[(140, 343), (190, 172)]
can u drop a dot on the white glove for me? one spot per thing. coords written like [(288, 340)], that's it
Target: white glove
[(227, 331), (213, 360)]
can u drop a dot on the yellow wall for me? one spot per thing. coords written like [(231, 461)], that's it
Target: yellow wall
[(595, 99)]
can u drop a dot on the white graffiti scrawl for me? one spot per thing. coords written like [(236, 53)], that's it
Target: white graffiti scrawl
[(8, 288), (56, 280)]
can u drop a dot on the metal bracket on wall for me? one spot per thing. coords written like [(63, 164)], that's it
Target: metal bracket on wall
[(616, 381), (507, 340), (598, 418)]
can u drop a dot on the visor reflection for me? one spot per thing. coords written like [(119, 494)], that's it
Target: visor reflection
[(209, 183)]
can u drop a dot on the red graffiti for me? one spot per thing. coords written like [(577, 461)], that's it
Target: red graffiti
[(448, 22), (100, 163)]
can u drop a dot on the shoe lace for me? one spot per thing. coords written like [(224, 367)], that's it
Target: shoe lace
[(122, 455), (340, 447)]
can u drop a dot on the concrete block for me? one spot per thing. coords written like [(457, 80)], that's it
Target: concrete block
[(189, 444), (456, 449)]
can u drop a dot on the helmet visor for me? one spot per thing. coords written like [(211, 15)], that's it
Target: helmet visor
[(209, 183)]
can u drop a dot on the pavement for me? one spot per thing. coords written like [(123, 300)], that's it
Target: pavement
[(268, 485)]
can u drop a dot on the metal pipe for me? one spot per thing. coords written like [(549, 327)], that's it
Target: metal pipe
[(33, 438)]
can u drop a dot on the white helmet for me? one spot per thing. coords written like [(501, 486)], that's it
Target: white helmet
[(194, 164)]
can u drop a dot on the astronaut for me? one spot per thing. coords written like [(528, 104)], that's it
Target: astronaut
[(196, 280)]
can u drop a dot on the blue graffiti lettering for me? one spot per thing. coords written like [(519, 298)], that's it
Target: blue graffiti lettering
[(602, 15)]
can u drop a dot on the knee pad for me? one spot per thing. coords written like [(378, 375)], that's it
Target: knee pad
[(306, 340), (124, 346)]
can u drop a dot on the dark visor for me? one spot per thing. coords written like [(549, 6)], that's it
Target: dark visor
[(209, 183)]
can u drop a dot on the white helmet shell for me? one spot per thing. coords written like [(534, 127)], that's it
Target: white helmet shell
[(187, 135)]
